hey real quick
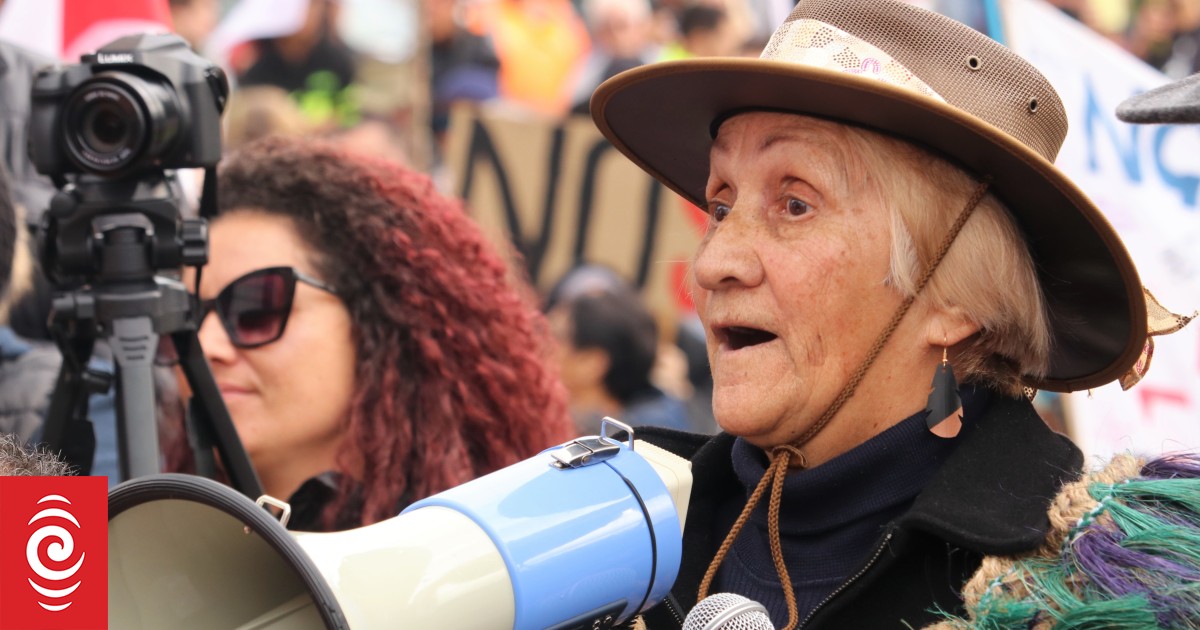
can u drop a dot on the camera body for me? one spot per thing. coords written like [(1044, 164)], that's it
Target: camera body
[(143, 103)]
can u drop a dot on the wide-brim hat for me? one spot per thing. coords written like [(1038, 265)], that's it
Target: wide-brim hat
[(925, 78), (1177, 102)]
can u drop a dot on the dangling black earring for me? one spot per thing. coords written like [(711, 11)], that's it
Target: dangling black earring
[(944, 406)]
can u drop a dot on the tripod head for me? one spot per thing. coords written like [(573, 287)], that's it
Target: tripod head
[(104, 231), (109, 132)]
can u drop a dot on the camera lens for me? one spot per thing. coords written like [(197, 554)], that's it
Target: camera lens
[(117, 122), (105, 129)]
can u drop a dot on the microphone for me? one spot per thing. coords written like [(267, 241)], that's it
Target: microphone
[(728, 611)]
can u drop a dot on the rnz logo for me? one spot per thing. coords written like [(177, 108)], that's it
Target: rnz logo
[(53, 553), (54, 586)]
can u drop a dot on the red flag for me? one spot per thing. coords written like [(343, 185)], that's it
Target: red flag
[(88, 25), (68, 28), (53, 553)]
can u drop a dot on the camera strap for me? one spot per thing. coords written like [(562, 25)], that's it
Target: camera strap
[(208, 211), (208, 194)]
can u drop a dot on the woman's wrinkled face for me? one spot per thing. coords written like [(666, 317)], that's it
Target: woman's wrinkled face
[(791, 273), (290, 398)]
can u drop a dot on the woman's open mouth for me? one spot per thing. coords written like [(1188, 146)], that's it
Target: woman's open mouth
[(739, 337)]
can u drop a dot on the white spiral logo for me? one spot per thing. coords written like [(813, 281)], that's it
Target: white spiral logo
[(59, 550)]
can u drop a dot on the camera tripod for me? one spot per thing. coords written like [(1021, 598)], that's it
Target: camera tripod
[(102, 242)]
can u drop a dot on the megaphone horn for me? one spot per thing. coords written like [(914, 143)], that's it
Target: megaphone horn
[(585, 535)]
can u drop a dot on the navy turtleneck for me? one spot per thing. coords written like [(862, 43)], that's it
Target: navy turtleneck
[(831, 517)]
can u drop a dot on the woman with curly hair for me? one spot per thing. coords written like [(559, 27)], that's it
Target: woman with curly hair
[(367, 340)]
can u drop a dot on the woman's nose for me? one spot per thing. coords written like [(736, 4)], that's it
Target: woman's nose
[(214, 341), (728, 255)]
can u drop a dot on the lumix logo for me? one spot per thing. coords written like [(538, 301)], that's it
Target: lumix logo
[(114, 58)]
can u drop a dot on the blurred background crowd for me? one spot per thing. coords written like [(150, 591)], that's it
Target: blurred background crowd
[(380, 70), (382, 76)]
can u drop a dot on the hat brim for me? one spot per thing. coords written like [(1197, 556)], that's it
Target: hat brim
[(1177, 102), (660, 117)]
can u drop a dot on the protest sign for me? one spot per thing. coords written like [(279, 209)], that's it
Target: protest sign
[(1146, 180), (562, 195)]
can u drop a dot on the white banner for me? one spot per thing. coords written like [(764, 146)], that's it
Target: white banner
[(1146, 178)]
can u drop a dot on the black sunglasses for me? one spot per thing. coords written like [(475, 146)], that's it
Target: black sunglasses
[(253, 309)]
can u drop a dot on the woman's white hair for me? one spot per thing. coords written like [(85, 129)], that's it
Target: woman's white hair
[(18, 461), (988, 272)]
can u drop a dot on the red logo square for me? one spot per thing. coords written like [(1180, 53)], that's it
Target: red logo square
[(53, 553)]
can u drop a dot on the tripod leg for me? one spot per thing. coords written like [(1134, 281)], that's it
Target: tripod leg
[(201, 439), (67, 430), (133, 343), (209, 413)]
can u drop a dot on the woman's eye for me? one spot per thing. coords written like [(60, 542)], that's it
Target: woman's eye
[(719, 211), (797, 208)]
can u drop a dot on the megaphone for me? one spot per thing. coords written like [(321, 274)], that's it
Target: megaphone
[(585, 535)]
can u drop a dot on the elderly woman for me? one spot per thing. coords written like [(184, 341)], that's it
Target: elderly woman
[(368, 341), (883, 214)]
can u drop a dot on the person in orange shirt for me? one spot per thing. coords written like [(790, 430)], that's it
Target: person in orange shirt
[(540, 44)]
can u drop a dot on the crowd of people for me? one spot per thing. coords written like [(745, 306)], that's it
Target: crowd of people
[(542, 57), (1163, 33), (374, 348), (299, 76), (547, 56)]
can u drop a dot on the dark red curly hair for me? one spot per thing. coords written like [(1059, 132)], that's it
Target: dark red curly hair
[(453, 374)]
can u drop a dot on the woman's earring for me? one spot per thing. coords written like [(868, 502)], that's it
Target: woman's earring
[(944, 408)]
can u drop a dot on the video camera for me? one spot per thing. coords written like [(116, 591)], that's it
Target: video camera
[(140, 103)]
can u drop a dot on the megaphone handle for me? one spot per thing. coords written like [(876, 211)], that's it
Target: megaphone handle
[(285, 509)]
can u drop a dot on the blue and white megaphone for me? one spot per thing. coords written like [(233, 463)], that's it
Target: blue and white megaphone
[(585, 535)]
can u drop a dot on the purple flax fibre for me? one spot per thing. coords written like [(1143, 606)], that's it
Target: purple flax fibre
[(1180, 466), (1119, 569)]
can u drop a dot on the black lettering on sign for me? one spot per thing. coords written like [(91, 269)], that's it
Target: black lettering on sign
[(578, 187), (481, 146)]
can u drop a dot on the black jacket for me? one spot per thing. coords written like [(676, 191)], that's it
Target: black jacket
[(28, 370), (989, 498), (17, 69)]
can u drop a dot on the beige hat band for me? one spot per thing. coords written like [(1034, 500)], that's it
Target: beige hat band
[(817, 44)]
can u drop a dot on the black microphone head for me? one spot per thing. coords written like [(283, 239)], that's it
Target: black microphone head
[(728, 611)]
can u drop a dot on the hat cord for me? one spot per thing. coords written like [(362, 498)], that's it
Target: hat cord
[(781, 456)]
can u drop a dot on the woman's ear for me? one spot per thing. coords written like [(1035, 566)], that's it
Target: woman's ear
[(946, 326)]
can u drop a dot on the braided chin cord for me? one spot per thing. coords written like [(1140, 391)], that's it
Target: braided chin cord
[(783, 455)]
